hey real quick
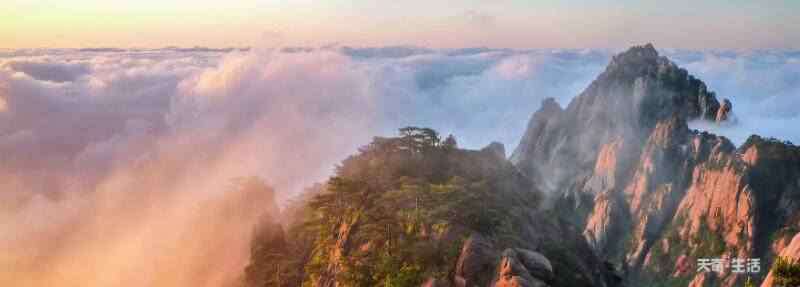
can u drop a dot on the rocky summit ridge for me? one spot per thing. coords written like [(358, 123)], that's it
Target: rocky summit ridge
[(638, 89), (651, 195)]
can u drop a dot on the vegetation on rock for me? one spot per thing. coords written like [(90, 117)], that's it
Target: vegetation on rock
[(397, 212), (786, 272)]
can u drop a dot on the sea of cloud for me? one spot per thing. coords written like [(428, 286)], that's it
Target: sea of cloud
[(764, 87), (112, 160)]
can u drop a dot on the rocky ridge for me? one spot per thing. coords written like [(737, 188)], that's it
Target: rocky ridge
[(650, 194)]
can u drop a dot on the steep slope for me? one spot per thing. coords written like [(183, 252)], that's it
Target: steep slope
[(636, 91), (652, 195)]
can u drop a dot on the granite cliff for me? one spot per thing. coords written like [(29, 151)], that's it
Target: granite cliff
[(651, 195)]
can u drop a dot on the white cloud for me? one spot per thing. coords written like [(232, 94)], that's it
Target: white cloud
[(150, 143), (142, 139), (764, 87)]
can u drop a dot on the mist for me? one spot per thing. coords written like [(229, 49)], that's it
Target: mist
[(116, 166)]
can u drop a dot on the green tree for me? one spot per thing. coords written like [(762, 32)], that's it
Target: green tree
[(419, 139), (380, 213), (268, 251)]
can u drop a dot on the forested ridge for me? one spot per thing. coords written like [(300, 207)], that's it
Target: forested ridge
[(394, 214)]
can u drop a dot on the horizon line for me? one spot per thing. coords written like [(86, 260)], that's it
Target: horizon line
[(198, 48)]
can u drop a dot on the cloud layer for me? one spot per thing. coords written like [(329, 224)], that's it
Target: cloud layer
[(764, 87), (112, 161)]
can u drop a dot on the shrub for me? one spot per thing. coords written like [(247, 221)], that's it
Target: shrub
[(786, 272)]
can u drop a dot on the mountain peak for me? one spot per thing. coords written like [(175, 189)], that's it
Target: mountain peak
[(638, 54), (656, 87), (646, 51), (638, 90), (637, 61)]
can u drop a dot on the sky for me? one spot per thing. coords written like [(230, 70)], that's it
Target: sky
[(111, 158), (730, 24)]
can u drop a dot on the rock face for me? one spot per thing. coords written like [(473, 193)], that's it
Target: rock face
[(475, 262), (573, 263), (496, 149), (638, 89), (650, 194), (339, 250), (523, 268), (724, 111)]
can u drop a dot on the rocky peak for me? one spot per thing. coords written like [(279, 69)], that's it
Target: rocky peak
[(638, 90), (649, 193), (723, 114), (636, 61), (660, 87), (495, 148), (541, 123), (550, 107), (770, 149)]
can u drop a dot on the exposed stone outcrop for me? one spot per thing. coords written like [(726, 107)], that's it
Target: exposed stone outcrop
[(604, 224), (658, 194), (497, 149), (477, 258), (637, 90), (551, 254), (337, 253), (723, 114), (656, 186), (538, 142), (523, 268)]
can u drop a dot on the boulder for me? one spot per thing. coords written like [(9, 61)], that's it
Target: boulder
[(523, 268), (724, 111), (475, 262), (536, 264)]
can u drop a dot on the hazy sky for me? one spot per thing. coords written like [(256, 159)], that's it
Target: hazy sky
[(431, 23)]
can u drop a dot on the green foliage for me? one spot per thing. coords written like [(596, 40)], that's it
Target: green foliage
[(786, 272), (273, 260), (388, 207), (394, 214), (277, 256)]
